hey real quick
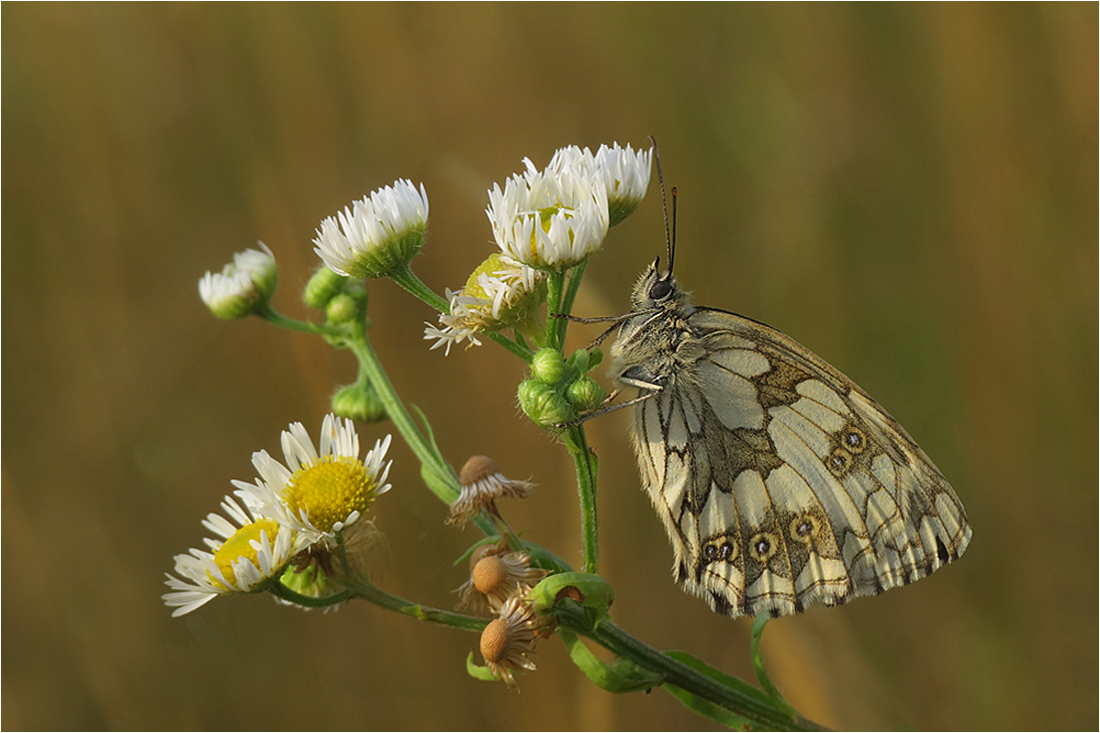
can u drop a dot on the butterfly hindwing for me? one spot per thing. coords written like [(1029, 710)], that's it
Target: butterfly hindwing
[(781, 483)]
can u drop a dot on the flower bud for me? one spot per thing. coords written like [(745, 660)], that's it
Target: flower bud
[(585, 394), (323, 287), (358, 402), (543, 404), (343, 309), (548, 366)]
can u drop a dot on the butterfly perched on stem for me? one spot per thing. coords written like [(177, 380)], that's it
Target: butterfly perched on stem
[(780, 483)]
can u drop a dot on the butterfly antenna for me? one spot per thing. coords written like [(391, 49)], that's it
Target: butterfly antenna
[(672, 238), (664, 203)]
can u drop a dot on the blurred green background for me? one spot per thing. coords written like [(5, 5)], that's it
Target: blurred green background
[(910, 191)]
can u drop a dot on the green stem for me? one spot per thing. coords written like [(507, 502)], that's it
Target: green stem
[(560, 324), (446, 486), (518, 349), (373, 594), (555, 286), (406, 278), (585, 463), (272, 316), (757, 709)]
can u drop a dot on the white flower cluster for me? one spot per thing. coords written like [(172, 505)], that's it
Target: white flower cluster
[(292, 509), (544, 221)]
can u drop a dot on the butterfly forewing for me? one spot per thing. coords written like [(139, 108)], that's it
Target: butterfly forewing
[(781, 483)]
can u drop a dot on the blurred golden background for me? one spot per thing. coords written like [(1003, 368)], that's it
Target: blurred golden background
[(910, 191)]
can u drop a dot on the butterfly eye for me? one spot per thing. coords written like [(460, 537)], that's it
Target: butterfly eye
[(660, 290)]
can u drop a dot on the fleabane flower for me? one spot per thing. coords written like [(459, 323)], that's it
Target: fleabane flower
[(552, 219), (243, 285), (319, 492), (374, 236), (624, 172), (499, 294), (251, 549)]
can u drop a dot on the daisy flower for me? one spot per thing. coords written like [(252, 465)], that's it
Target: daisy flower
[(250, 550), (377, 234), (497, 574), (318, 491), (623, 172), (243, 285), (550, 219)]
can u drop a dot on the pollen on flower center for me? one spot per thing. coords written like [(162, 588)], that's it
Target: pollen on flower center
[(330, 490), (240, 545)]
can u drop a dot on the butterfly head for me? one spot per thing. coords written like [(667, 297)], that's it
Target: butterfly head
[(657, 290)]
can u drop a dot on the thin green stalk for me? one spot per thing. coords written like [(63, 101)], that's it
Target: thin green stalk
[(373, 594), (555, 286), (272, 316), (446, 487), (560, 324), (585, 463), (406, 278)]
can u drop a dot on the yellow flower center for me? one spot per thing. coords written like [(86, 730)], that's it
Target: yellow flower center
[(240, 545), (330, 490), (545, 217), (491, 265)]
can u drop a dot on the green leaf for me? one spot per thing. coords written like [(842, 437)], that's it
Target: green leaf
[(709, 709), (622, 675), (591, 591), (478, 672), (719, 676)]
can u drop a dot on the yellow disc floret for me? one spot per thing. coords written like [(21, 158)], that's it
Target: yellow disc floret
[(240, 546), (330, 490)]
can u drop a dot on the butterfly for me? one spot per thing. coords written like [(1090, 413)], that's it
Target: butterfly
[(781, 484)]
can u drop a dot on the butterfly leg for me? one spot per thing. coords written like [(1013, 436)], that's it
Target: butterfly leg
[(651, 390)]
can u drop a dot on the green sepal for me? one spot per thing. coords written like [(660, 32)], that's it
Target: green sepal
[(590, 591), (478, 672), (585, 360), (622, 675)]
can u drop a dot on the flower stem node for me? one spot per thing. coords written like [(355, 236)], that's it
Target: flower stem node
[(359, 402), (544, 404), (243, 287), (377, 234)]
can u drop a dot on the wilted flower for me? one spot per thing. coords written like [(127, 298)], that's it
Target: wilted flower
[(499, 294), (507, 641), (497, 574), (482, 484)]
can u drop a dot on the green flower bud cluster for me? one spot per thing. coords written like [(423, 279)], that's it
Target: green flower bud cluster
[(343, 299), (559, 389)]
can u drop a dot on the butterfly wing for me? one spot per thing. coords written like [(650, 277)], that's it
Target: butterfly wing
[(780, 482)]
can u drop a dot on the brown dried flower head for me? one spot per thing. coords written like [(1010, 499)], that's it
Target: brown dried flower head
[(482, 484)]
